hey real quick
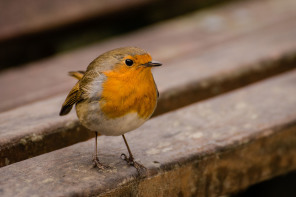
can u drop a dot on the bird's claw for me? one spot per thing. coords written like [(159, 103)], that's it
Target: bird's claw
[(132, 162), (98, 164)]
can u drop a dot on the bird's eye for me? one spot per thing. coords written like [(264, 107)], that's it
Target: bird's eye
[(129, 62)]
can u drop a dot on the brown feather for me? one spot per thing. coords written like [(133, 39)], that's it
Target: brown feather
[(71, 99)]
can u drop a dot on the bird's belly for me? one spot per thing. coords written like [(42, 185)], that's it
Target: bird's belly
[(121, 125), (94, 119)]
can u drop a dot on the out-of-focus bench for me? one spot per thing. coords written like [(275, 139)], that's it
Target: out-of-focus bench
[(211, 147)]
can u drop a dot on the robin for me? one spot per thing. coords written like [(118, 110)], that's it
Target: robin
[(115, 95)]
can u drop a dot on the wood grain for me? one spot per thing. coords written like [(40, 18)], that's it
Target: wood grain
[(212, 148), (189, 74)]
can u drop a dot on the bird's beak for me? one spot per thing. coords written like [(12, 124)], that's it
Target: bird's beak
[(152, 64)]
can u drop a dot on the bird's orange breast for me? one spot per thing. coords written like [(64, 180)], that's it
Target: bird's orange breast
[(128, 90)]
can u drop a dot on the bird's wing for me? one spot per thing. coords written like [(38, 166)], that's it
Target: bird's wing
[(71, 99), (73, 95)]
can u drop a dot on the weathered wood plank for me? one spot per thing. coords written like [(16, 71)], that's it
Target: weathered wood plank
[(33, 29), (203, 74), (30, 16), (208, 149), (252, 30)]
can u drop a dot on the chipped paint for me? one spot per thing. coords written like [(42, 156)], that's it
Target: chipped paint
[(153, 151), (7, 162), (23, 141), (36, 137), (197, 135), (49, 180)]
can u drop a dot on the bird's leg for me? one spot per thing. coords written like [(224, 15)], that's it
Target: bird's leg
[(130, 160), (96, 162)]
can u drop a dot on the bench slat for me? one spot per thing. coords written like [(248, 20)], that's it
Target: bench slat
[(31, 16), (212, 148), (245, 24), (198, 75)]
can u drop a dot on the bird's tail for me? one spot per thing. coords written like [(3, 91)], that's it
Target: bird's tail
[(77, 74)]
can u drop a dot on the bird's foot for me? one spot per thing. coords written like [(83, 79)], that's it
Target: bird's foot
[(142, 170), (98, 164)]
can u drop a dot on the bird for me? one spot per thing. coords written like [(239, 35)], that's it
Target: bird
[(116, 94)]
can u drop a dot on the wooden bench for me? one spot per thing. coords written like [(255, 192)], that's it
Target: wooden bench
[(213, 147)]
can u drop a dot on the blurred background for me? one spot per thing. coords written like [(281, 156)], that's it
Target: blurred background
[(32, 29), (41, 40)]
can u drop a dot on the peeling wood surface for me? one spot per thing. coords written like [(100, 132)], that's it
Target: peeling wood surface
[(200, 42), (211, 148), (205, 72), (41, 118)]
